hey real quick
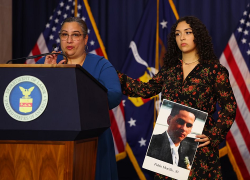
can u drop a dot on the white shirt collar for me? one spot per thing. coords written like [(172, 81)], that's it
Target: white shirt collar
[(172, 145), (174, 148)]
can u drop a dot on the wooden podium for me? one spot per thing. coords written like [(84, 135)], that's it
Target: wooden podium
[(60, 144)]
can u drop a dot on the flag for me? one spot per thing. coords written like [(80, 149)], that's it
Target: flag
[(50, 36), (142, 63), (236, 58)]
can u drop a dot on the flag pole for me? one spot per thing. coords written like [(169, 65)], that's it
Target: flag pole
[(75, 14), (157, 38), (95, 29), (174, 9), (156, 55)]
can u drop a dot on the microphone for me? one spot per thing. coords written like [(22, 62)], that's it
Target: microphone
[(32, 57), (54, 47)]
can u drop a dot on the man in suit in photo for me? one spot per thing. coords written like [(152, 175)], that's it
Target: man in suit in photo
[(173, 146)]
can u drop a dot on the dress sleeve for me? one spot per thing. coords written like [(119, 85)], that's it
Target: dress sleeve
[(108, 77), (226, 100), (135, 88)]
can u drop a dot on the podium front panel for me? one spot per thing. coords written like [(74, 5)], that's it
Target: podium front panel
[(77, 106)]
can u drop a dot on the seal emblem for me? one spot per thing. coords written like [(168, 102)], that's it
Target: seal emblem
[(25, 98)]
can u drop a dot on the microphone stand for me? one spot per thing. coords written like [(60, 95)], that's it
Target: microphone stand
[(32, 57)]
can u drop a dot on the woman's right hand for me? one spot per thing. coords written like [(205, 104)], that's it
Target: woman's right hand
[(51, 59)]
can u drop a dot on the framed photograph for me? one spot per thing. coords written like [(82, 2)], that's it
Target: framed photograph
[(172, 147)]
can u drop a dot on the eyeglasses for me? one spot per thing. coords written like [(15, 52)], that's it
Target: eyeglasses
[(74, 36)]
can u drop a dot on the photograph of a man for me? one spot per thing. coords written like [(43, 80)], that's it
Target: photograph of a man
[(173, 146)]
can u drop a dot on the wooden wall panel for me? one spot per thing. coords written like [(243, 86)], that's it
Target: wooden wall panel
[(5, 30)]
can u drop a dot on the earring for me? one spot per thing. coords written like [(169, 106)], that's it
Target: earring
[(86, 48)]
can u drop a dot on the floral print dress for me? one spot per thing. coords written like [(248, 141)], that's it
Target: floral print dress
[(205, 85)]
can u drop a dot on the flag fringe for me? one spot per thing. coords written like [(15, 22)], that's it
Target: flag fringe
[(120, 156), (134, 162), (233, 162), (223, 152)]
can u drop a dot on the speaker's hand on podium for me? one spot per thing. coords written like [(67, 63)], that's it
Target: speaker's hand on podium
[(51, 59)]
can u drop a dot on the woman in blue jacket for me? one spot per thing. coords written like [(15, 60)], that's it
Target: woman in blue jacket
[(74, 38)]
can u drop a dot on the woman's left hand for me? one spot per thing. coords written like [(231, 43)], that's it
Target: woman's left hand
[(51, 59), (203, 139)]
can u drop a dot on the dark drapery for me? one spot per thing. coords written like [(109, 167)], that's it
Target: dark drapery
[(117, 22), (220, 17), (28, 22)]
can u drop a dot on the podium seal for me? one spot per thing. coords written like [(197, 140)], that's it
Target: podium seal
[(25, 98)]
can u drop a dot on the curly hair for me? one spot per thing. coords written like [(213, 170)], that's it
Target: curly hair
[(202, 40)]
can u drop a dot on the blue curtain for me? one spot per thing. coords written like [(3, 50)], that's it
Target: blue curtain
[(28, 22), (117, 22), (220, 17)]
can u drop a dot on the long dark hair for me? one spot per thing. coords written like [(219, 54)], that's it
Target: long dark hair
[(202, 40)]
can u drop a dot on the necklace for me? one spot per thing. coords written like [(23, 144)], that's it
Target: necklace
[(81, 63), (83, 60), (190, 62)]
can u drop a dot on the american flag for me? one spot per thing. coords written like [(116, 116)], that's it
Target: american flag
[(50, 36), (236, 58)]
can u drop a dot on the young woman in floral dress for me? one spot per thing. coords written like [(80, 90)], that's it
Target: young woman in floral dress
[(192, 76)]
